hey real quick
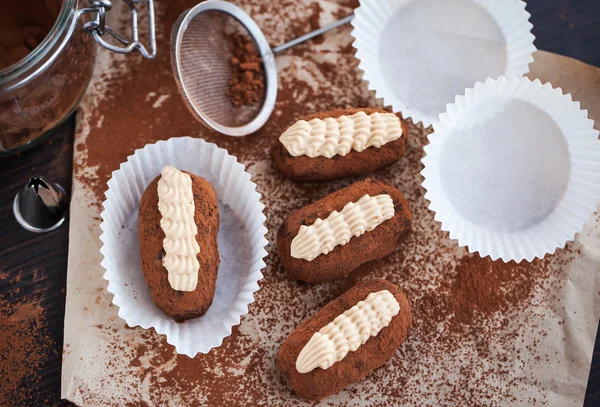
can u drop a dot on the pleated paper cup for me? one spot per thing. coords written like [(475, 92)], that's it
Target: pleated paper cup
[(241, 241), (512, 170), (418, 55)]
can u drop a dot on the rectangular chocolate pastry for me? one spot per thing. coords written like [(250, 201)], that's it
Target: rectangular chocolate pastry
[(329, 238), (182, 286), (346, 340), (340, 143)]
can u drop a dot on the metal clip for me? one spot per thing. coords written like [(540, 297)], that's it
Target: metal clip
[(97, 27)]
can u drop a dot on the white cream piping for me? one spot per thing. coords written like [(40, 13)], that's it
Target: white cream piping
[(339, 227), (330, 136), (176, 206), (347, 332)]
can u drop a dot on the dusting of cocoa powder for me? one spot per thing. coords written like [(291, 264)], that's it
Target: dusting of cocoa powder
[(477, 290), (470, 314), (247, 82), (482, 287), (314, 18), (25, 343)]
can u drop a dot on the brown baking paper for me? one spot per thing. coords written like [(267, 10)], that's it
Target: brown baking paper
[(484, 333)]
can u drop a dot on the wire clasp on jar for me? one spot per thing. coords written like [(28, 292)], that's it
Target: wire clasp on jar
[(97, 27)]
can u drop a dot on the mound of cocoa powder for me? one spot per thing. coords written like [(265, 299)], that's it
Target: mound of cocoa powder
[(247, 82)]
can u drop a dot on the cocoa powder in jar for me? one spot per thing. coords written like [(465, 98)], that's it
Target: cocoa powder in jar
[(25, 24), (39, 102)]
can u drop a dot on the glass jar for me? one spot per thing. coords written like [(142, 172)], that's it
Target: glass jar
[(39, 92)]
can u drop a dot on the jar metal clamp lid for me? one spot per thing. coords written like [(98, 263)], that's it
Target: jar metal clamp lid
[(98, 27)]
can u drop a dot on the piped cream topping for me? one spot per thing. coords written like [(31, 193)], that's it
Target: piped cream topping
[(330, 136), (348, 331), (338, 228), (176, 206)]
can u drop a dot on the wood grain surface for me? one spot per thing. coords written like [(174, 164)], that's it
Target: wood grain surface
[(568, 27), (25, 253)]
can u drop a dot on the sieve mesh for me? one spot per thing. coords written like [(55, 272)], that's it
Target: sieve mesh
[(201, 61)]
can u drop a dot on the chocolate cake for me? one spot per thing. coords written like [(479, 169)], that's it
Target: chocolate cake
[(342, 259), (319, 383), (180, 305), (305, 168)]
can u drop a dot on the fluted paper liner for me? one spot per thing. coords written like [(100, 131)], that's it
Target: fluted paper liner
[(417, 55), (241, 241), (513, 169)]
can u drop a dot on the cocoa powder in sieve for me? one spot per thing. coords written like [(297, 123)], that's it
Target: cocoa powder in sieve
[(247, 82)]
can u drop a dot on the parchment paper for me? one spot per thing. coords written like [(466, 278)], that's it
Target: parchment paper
[(545, 361)]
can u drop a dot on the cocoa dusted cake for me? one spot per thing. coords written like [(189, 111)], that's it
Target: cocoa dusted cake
[(179, 222), (346, 340), (331, 237), (340, 143)]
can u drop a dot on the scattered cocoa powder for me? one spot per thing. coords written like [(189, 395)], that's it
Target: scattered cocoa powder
[(469, 313), (482, 287), (247, 83), (25, 343), (478, 290), (315, 17)]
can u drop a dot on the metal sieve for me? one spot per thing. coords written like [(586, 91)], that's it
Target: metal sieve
[(200, 56)]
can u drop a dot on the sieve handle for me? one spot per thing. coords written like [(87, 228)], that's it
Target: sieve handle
[(97, 27), (312, 34)]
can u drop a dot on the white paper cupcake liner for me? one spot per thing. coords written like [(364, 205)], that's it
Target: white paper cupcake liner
[(417, 55), (241, 241), (513, 169)]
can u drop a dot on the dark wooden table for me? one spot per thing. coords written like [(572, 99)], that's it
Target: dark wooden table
[(568, 27)]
